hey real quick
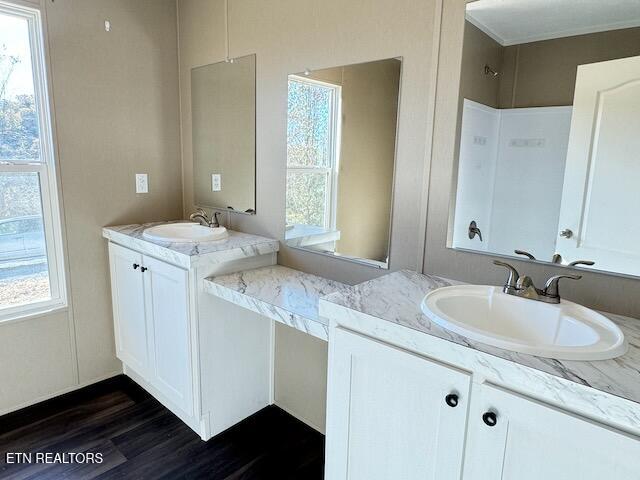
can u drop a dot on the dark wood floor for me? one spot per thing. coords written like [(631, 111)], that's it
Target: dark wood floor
[(140, 439)]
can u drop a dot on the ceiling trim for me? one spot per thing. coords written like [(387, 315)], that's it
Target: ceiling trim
[(485, 29), (505, 42)]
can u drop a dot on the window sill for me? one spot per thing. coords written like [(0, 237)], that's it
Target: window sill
[(33, 311)]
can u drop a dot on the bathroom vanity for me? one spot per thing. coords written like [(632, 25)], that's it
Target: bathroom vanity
[(181, 344), (409, 399)]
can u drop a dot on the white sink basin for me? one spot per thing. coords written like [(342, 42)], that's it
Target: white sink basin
[(185, 233), (566, 331)]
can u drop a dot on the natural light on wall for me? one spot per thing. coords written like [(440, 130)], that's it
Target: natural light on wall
[(31, 272)]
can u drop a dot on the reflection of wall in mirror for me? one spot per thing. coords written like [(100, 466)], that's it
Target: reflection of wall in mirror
[(535, 74), (367, 154), (223, 112)]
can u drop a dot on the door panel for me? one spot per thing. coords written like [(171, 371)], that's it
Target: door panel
[(533, 441), (387, 416), (128, 308), (600, 195), (166, 290)]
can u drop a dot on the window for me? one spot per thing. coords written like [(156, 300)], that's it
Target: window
[(31, 271), (312, 152)]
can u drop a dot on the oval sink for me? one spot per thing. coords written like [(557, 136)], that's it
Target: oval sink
[(565, 331), (184, 233)]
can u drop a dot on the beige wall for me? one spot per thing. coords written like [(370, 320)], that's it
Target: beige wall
[(480, 50), (116, 110), (544, 73), (289, 36), (301, 375), (606, 292)]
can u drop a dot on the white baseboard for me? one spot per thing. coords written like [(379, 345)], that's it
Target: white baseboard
[(302, 418), (60, 392)]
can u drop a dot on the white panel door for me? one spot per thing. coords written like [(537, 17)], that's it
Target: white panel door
[(601, 198), (388, 416), (533, 441), (127, 292), (166, 292)]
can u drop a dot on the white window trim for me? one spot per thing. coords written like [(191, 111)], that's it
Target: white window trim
[(45, 168), (331, 195)]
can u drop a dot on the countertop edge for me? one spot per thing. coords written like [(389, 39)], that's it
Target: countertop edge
[(295, 320)]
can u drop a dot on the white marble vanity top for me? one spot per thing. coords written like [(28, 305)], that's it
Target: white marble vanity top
[(237, 245), (396, 298), (280, 293)]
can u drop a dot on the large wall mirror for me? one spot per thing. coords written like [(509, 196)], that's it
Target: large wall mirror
[(341, 144), (223, 105), (548, 165)]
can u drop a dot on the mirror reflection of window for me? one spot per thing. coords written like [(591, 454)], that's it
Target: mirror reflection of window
[(312, 154)]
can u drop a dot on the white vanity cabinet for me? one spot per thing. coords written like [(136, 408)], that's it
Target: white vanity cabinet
[(530, 440), (392, 414), (206, 360), (151, 322)]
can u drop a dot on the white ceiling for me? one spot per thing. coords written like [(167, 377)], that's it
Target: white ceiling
[(511, 22)]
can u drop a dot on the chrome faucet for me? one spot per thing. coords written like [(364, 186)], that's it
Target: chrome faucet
[(523, 286), (202, 218)]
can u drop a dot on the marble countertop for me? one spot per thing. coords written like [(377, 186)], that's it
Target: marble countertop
[(280, 293), (396, 298), (237, 245)]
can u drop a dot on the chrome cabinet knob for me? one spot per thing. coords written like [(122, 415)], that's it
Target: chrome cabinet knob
[(566, 233)]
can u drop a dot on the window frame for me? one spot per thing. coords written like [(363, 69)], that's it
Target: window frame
[(335, 117), (45, 168)]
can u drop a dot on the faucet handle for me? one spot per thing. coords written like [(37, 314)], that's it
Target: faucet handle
[(525, 253), (513, 273), (589, 263), (551, 287)]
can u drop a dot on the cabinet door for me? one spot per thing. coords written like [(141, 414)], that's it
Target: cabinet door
[(167, 306), (127, 292), (532, 441), (388, 416)]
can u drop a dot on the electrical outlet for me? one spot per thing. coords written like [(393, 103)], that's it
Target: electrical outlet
[(216, 182), (142, 183)]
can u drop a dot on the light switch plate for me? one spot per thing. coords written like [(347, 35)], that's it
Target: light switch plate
[(216, 182), (142, 183)]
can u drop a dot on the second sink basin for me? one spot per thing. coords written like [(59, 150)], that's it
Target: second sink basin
[(184, 233), (566, 331)]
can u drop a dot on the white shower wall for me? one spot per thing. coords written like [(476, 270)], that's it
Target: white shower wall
[(511, 173)]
